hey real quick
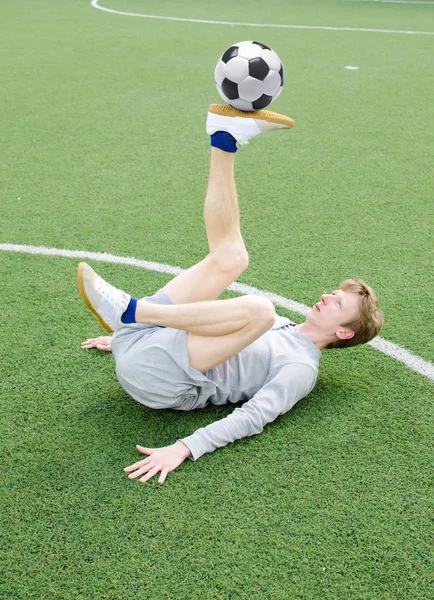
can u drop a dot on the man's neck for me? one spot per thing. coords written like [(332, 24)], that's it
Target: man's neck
[(312, 334)]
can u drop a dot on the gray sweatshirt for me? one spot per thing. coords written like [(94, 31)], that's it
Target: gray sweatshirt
[(270, 375)]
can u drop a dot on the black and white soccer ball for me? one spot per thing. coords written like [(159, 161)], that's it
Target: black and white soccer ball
[(249, 76)]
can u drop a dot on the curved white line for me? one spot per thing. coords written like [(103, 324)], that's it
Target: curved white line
[(95, 4), (412, 361)]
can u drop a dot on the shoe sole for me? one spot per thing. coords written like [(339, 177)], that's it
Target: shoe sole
[(263, 115), (86, 300)]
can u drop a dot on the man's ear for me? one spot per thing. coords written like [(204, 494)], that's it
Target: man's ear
[(345, 334)]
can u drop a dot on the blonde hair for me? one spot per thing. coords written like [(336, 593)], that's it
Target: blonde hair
[(370, 318)]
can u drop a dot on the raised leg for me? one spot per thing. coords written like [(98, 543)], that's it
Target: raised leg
[(227, 257)]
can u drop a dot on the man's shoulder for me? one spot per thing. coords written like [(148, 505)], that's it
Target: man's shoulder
[(302, 365), (300, 359), (296, 377), (290, 347), (280, 322)]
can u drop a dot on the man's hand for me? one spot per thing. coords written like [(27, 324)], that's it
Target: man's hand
[(104, 343), (159, 459)]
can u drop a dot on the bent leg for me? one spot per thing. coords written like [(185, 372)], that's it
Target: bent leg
[(217, 329), (205, 353), (227, 257), (210, 318)]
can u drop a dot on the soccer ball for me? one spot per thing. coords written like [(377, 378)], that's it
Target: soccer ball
[(249, 76)]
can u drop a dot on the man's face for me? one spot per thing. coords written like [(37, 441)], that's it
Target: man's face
[(334, 310)]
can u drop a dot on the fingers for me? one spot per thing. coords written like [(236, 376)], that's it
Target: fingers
[(101, 343), (144, 450), (159, 460), (103, 347), (153, 471), (141, 470), (147, 469), (163, 476), (90, 342), (137, 465)]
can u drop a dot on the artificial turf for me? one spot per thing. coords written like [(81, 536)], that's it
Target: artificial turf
[(104, 150)]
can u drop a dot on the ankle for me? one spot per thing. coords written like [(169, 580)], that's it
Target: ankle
[(224, 141), (129, 316)]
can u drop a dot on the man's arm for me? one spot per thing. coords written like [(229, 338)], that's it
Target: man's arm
[(289, 384), (285, 386)]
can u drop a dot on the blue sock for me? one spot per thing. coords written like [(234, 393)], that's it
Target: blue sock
[(224, 140), (129, 316)]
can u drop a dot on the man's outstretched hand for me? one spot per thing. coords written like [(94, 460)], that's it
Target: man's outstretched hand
[(159, 460), (104, 343)]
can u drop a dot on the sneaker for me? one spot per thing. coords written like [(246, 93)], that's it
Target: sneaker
[(244, 126), (106, 302)]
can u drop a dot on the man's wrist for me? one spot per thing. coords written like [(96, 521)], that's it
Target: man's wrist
[(184, 449)]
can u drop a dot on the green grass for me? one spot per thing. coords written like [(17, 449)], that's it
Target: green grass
[(104, 150)]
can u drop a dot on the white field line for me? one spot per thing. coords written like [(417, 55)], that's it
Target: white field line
[(95, 4), (412, 361)]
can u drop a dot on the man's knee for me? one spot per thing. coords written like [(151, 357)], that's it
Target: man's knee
[(262, 312), (231, 258)]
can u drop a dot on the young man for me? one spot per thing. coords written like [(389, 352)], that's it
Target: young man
[(183, 349)]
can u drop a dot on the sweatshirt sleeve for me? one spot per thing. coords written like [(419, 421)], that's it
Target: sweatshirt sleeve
[(284, 387)]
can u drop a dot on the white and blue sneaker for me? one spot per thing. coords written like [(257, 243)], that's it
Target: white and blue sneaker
[(244, 126), (107, 303)]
